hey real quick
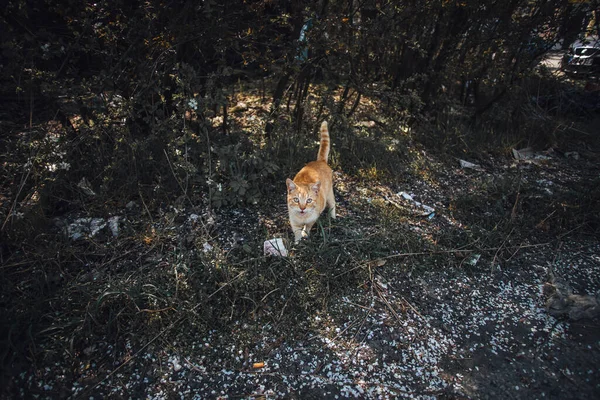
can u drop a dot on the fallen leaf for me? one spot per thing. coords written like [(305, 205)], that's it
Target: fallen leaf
[(379, 263)]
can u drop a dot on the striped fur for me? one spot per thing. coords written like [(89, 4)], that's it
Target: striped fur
[(311, 191), (324, 146)]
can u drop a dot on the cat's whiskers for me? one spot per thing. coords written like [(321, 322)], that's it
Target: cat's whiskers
[(311, 191)]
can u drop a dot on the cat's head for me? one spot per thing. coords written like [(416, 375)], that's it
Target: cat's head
[(302, 199)]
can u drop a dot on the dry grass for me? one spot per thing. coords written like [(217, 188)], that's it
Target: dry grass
[(110, 301)]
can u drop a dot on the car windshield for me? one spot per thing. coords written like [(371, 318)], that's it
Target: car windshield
[(586, 51)]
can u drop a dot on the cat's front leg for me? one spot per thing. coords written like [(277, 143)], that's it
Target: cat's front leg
[(332, 211), (299, 232), (308, 227), (304, 232)]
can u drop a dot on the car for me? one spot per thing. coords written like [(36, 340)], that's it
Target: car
[(582, 61)]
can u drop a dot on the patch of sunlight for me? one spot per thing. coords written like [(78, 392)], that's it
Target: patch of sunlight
[(371, 172), (420, 166), (217, 121), (76, 121), (404, 128)]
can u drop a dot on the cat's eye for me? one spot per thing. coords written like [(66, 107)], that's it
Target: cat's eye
[(308, 201), (296, 200)]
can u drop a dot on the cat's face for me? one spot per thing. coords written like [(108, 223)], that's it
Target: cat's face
[(301, 199)]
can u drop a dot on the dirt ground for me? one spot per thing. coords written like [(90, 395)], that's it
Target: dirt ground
[(392, 300)]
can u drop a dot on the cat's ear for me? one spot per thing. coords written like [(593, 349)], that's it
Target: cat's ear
[(290, 184), (315, 187)]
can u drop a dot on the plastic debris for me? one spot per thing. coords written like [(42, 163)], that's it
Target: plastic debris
[(474, 259), (429, 211), (470, 165), (206, 247), (176, 364), (405, 196), (85, 227), (88, 227), (113, 224), (523, 154), (275, 247), (528, 154)]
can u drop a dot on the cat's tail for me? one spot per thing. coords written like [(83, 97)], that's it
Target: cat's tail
[(324, 147)]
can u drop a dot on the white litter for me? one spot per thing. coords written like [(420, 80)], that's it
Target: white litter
[(406, 196), (275, 247), (85, 227), (466, 164), (529, 154), (474, 259), (113, 224)]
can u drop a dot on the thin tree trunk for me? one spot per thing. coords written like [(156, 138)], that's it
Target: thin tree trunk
[(355, 105), (277, 95)]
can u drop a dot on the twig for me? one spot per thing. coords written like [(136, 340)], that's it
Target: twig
[(156, 311), (177, 179), (413, 308), (209, 166), (512, 255), (539, 224), (353, 323), (14, 206), (267, 295), (500, 248), (425, 253), (146, 207), (373, 286), (579, 130), (250, 260), (282, 311), (513, 213), (357, 305), (360, 328), (557, 253), (572, 230), (387, 303), (31, 102)]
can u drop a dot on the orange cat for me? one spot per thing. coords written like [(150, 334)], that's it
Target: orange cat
[(311, 190)]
